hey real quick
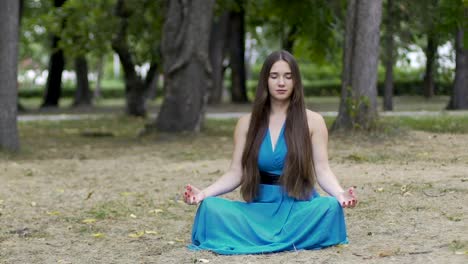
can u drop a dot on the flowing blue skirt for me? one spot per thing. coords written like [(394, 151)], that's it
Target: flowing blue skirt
[(273, 222)]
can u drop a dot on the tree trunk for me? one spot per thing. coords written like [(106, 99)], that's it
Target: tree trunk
[(237, 57), (288, 41), (459, 99), (100, 70), (358, 106), (218, 46), (431, 51), (134, 85), (56, 67), (9, 12), (151, 82), (187, 69), (54, 79), (389, 58), (82, 92)]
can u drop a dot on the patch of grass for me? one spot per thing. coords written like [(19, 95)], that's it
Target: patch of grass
[(457, 124), (457, 245), (374, 158), (110, 210)]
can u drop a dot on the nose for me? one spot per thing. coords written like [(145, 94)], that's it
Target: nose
[(281, 80)]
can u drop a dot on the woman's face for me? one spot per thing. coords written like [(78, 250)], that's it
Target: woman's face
[(280, 81)]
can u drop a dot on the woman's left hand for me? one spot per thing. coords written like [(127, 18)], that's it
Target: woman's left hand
[(348, 199)]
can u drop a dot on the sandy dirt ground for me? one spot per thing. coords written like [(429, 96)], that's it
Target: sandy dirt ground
[(119, 201)]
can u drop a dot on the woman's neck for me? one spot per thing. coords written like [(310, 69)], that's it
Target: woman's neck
[(279, 108)]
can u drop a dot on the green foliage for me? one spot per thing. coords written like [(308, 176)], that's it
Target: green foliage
[(311, 24), (84, 26)]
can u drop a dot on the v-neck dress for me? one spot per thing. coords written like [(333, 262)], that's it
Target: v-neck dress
[(274, 221)]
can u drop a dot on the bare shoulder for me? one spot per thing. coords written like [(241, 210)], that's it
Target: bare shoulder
[(243, 124), (315, 121)]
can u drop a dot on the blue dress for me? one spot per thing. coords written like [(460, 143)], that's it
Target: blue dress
[(273, 222)]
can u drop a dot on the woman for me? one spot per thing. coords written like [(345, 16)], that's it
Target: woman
[(280, 151)]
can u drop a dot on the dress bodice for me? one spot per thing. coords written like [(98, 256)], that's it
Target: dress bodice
[(272, 160)]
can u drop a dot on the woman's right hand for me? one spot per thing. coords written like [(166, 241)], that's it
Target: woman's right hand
[(193, 195)]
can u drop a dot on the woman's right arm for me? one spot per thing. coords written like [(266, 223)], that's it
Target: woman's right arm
[(230, 180)]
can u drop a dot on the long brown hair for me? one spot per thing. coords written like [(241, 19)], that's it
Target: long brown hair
[(298, 177)]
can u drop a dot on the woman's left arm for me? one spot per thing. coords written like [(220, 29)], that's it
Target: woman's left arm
[(325, 176)]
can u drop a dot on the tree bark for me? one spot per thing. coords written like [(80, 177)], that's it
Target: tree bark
[(56, 67), (134, 85), (237, 57), (100, 70), (82, 92), (358, 106), (389, 58), (151, 82), (218, 47), (430, 52), (459, 99), (187, 69), (9, 12)]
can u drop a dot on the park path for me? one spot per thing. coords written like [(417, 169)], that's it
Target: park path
[(215, 115)]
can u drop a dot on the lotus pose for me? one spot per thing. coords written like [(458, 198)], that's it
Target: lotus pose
[(280, 153)]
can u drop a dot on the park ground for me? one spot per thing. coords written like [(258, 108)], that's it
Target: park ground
[(93, 191)]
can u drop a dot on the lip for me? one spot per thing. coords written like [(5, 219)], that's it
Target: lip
[(281, 91)]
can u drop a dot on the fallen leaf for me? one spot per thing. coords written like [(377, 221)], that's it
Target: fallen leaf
[(171, 242), (33, 204), (151, 232), (126, 193), (384, 254), (203, 260), (60, 190), (133, 216), (156, 211), (380, 189), (1, 202), (89, 195), (53, 213), (98, 235), (137, 234), (89, 221), (461, 252), (179, 240)]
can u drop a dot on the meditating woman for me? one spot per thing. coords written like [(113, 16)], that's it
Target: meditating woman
[(280, 153)]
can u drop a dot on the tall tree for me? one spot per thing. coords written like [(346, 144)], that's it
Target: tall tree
[(218, 48), (237, 54), (389, 55), (459, 98), (136, 88), (56, 67), (358, 105), (431, 59), (187, 69), (82, 92), (9, 12)]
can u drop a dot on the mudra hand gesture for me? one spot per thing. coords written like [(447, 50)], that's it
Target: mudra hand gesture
[(193, 195), (348, 199)]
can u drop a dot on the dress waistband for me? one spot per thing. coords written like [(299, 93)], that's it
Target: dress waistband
[(269, 178)]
